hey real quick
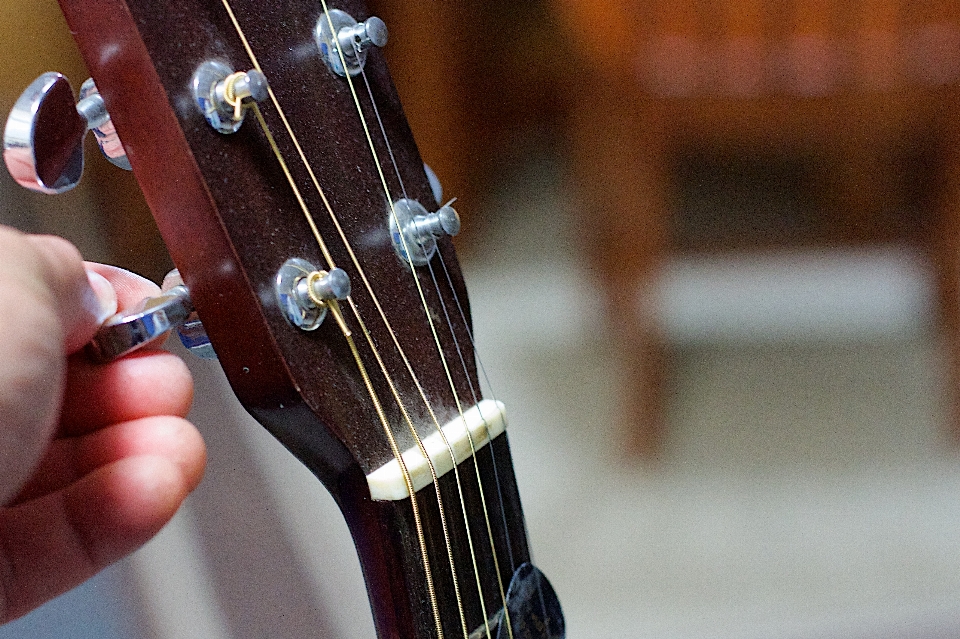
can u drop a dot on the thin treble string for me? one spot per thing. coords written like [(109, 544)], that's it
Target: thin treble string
[(473, 391), (466, 520), (335, 309), (476, 465), (443, 436), (476, 399), (442, 357), (383, 131)]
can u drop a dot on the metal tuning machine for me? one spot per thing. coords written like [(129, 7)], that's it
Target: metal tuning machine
[(344, 42), (415, 231), (303, 292), (127, 332), (224, 95), (43, 138)]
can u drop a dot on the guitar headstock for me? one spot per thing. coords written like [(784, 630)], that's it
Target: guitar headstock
[(321, 176)]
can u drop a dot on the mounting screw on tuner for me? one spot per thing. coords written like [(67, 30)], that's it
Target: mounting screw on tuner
[(344, 42), (303, 292), (224, 95)]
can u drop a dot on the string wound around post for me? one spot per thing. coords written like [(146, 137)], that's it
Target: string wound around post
[(223, 95)]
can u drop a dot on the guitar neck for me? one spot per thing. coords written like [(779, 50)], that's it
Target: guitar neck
[(385, 534)]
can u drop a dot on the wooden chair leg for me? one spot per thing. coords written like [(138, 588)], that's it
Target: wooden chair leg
[(946, 257), (618, 159), (644, 424)]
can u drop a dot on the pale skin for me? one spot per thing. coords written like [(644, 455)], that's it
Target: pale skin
[(94, 459)]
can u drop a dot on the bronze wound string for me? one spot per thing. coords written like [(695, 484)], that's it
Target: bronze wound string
[(365, 376)]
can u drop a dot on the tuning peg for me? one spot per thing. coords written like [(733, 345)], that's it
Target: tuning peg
[(359, 37), (344, 42), (415, 231), (223, 95), (125, 333), (304, 292), (191, 332), (43, 139)]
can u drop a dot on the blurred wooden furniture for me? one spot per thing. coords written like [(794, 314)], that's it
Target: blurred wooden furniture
[(862, 93), (478, 79)]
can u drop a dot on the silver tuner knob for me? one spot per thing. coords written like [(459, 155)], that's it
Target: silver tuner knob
[(445, 221), (359, 37), (344, 42), (43, 138), (93, 110), (303, 292), (224, 95), (125, 333)]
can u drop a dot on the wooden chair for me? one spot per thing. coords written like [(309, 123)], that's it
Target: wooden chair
[(861, 91)]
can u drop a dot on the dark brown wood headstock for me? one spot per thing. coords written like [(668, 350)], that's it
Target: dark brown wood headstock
[(231, 219)]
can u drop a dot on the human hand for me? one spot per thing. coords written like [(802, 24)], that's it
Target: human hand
[(94, 459)]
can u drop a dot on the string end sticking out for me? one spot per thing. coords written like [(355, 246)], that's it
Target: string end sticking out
[(338, 316)]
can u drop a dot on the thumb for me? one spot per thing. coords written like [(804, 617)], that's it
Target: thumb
[(47, 306), (83, 298)]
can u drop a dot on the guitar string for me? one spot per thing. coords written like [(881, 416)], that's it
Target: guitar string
[(449, 322), (543, 606), (435, 334), (466, 519), (394, 448), (368, 384), (366, 378), (400, 350), (431, 589), (475, 394), (408, 253), (472, 390)]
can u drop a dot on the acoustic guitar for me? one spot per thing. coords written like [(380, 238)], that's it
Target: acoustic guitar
[(314, 247)]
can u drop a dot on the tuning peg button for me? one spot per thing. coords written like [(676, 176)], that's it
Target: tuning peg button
[(125, 333), (223, 95), (43, 138), (372, 32), (191, 332)]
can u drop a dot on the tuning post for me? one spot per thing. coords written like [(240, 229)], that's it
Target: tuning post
[(415, 231), (43, 138), (338, 34), (303, 292), (372, 32), (92, 108), (224, 95)]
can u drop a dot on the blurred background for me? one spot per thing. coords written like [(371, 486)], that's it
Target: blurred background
[(712, 255)]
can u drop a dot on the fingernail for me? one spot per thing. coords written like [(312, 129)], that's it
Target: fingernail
[(100, 299)]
